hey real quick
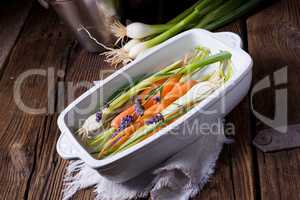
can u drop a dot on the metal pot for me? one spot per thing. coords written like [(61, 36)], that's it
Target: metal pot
[(89, 21)]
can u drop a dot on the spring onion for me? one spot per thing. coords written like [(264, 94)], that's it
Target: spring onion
[(99, 141), (185, 67), (196, 65), (199, 63), (184, 13), (92, 126), (139, 30), (137, 49), (123, 98), (227, 7), (179, 107), (200, 10), (235, 14), (116, 56), (208, 14), (159, 99)]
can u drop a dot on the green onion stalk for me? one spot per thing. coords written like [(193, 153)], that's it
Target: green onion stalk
[(183, 101), (137, 49), (190, 64), (207, 14), (139, 32), (200, 10), (233, 15), (99, 141), (95, 123), (224, 9), (125, 97), (184, 13), (126, 55), (198, 93), (197, 64)]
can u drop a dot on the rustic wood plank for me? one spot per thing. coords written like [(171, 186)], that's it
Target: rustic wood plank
[(13, 15), (46, 162), (39, 47), (49, 168), (81, 67), (233, 178), (274, 44), (242, 164), (42, 170), (220, 184), (85, 68)]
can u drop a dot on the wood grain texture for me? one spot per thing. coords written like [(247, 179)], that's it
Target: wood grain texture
[(12, 17), (81, 70), (47, 178), (274, 44), (95, 69), (220, 185), (39, 47), (30, 168)]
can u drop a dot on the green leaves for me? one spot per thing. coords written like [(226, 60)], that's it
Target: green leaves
[(200, 63), (233, 15), (125, 88)]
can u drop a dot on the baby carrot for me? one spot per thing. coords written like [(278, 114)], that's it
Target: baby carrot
[(170, 84), (145, 92), (178, 90), (118, 119), (156, 108), (130, 110), (120, 138)]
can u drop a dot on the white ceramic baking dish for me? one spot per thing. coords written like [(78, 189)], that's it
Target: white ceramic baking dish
[(131, 162)]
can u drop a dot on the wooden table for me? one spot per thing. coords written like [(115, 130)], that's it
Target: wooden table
[(33, 38)]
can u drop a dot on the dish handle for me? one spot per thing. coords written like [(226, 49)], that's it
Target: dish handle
[(64, 149), (230, 39)]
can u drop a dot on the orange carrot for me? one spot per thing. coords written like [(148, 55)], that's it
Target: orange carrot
[(145, 92), (120, 138), (178, 90), (170, 84), (158, 129), (153, 110), (117, 120), (130, 110)]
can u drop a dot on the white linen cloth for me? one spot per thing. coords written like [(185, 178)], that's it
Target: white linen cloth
[(179, 178)]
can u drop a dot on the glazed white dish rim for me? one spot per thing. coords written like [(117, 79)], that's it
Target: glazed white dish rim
[(91, 161)]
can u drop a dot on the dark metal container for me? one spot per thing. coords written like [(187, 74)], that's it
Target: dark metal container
[(91, 20)]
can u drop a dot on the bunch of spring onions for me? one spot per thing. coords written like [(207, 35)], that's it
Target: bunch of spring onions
[(207, 14), (139, 111)]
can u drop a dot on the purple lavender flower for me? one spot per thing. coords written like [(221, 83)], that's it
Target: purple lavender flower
[(98, 116), (157, 118), (157, 99), (115, 133), (125, 122), (138, 107), (114, 142)]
